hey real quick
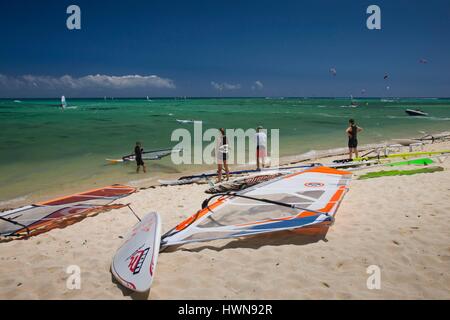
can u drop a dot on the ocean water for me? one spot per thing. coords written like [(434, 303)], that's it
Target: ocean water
[(44, 150)]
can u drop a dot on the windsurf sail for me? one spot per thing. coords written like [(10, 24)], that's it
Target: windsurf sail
[(158, 154), (63, 102), (146, 155), (416, 162), (433, 137), (404, 155), (243, 182), (297, 200), (44, 216), (205, 177), (214, 174)]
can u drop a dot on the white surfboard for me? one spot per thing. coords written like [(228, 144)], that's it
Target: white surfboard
[(135, 261)]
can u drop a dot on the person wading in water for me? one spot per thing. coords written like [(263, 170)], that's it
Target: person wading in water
[(138, 150)]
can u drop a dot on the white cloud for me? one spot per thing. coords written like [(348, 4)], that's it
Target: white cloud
[(225, 86), (258, 85), (89, 81), (3, 80), (6, 81)]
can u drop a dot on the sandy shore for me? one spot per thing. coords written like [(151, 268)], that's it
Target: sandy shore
[(400, 224)]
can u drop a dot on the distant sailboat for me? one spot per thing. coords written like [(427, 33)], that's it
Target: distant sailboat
[(353, 103), (63, 102)]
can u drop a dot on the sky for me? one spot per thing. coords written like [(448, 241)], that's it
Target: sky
[(162, 48)]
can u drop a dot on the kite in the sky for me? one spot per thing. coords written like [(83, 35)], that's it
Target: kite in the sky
[(363, 91), (386, 76), (423, 61), (333, 71)]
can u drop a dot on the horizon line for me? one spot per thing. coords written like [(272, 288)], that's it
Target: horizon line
[(230, 97)]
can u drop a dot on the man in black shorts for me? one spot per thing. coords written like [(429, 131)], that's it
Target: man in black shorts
[(352, 132), (138, 150)]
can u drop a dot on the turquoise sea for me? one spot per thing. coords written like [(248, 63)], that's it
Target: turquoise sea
[(44, 150)]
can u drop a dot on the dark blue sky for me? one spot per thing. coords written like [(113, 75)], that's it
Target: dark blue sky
[(196, 48)]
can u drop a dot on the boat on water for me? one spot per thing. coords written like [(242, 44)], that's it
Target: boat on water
[(416, 113)]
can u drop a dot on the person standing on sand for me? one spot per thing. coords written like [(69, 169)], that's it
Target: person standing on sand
[(261, 147), (138, 150), (222, 156), (352, 133)]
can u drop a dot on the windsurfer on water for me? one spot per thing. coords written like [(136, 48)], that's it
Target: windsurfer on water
[(138, 150)]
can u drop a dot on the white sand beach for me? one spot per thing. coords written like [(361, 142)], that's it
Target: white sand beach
[(328, 120), (399, 224)]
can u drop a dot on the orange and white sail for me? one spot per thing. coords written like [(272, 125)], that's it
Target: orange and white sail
[(292, 201), (44, 216)]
